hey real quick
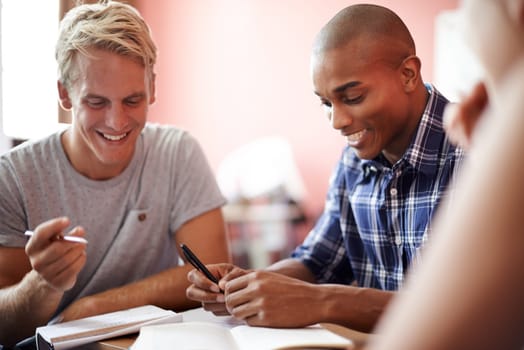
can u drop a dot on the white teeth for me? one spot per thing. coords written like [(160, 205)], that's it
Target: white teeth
[(356, 136), (114, 137)]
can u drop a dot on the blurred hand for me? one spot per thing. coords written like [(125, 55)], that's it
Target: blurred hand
[(57, 261), (460, 120), (208, 293)]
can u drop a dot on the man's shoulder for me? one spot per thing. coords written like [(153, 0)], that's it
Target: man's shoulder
[(40, 148), (167, 141), (152, 130), (159, 136)]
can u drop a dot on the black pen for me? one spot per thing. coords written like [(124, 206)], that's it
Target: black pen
[(193, 260)]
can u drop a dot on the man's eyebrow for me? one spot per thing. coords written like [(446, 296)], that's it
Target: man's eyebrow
[(93, 96), (343, 87), (346, 86), (136, 94)]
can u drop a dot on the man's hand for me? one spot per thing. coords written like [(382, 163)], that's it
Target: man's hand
[(461, 120), (57, 261), (208, 293), (264, 298)]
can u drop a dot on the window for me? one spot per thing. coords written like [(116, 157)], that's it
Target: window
[(29, 94), (456, 67)]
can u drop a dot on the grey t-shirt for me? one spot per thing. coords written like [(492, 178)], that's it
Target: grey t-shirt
[(130, 220)]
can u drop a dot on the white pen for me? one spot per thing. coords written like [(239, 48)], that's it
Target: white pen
[(65, 238)]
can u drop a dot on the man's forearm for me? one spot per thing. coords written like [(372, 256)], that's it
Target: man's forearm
[(25, 306), (354, 307), (292, 268), (166, 289)]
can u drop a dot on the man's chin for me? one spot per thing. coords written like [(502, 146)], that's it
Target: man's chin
[(366, 155)]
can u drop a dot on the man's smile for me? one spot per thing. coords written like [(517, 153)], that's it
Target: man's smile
[(113, 137)]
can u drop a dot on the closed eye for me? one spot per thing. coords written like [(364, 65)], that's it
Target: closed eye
[(134, 101), (352, 101), (96, 103)]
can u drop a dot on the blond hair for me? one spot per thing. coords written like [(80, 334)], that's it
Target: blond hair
[(107, 25)]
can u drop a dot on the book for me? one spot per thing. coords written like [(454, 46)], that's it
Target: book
[(70, 334), (207, 335)]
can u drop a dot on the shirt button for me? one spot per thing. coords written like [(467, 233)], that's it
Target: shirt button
[(398, 241), (142, 216), (393, 191)]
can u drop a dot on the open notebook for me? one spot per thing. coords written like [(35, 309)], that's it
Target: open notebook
[(208, 335)]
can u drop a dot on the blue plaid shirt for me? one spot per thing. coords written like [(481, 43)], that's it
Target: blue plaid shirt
[(376, 216)]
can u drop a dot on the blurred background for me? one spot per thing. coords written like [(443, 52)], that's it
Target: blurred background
[(235, 74)]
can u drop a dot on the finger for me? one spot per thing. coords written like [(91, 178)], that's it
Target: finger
[(243, 311), (201, 281), (54, 263), (53, 252), (195, 293), (239, 300), (66, 279), (44, 233), (221, 313), (237, 280), (233, 275), (216, 308), (77, 231), (256, 320), (62, 274)]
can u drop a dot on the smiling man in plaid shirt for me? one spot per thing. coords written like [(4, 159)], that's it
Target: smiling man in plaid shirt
[(385, 189)]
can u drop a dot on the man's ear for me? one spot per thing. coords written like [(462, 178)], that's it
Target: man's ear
[(410, 73), (63, 97)]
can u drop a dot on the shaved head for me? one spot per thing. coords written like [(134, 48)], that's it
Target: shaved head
[(375, 26)]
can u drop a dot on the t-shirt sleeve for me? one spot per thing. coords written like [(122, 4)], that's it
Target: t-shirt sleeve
[(195, 187), (12, 216)]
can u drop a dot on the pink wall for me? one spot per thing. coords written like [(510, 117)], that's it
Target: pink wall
[(230, 71)]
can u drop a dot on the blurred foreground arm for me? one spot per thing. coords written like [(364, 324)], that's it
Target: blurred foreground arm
[(467, 293)]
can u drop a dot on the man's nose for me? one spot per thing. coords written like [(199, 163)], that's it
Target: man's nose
[(116, 117), (340, 118)]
